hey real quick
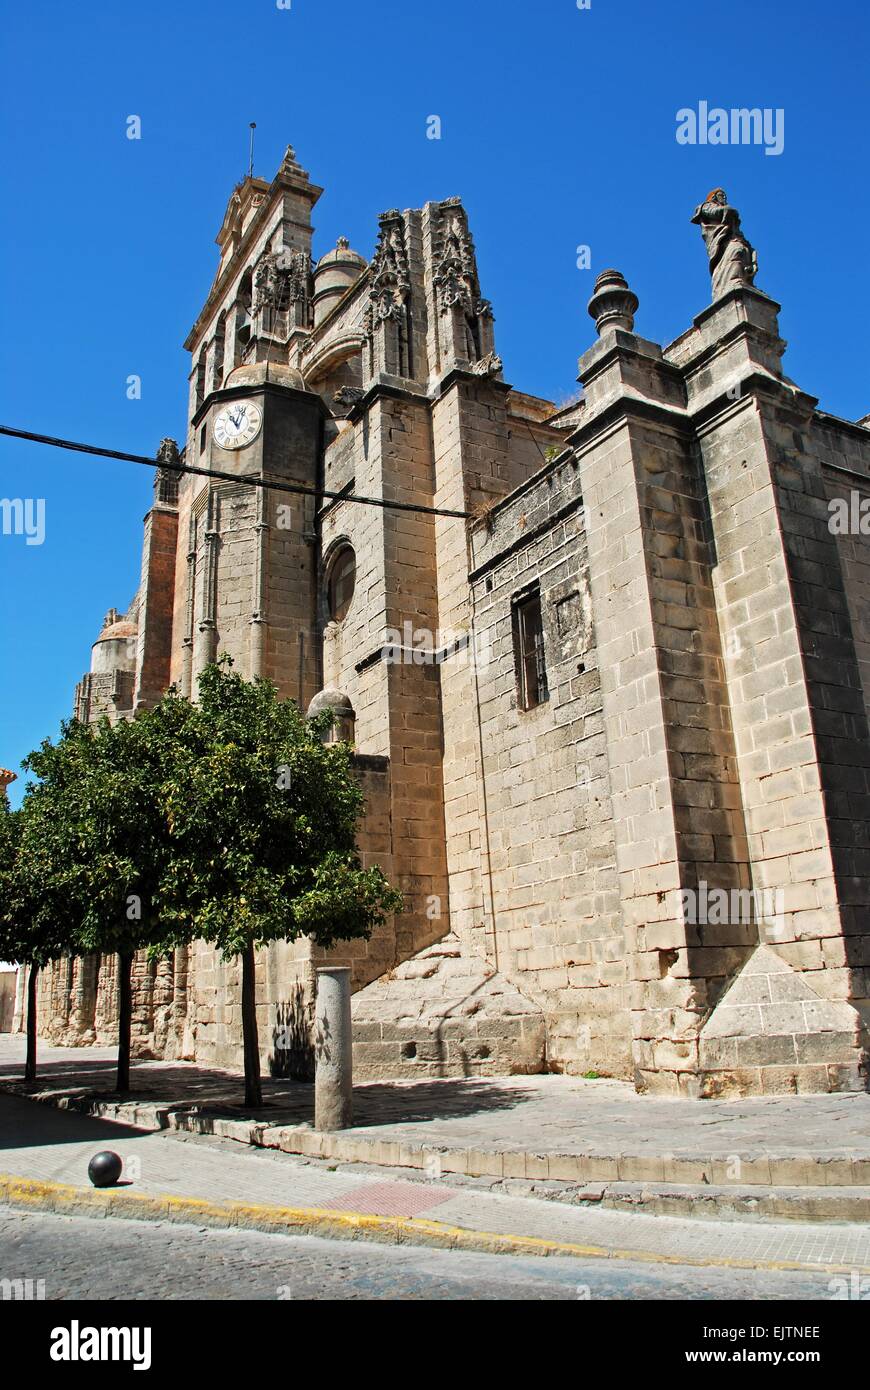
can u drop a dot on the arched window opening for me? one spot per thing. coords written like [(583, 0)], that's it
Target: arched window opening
[(217, 368), (340, 583), (199, 391), (243, 316)]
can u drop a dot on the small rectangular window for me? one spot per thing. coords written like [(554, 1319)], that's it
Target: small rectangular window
[(532, 689), (202, 440)]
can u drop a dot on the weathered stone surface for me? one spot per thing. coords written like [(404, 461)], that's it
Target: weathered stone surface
[(603, 662), (445, 1013)]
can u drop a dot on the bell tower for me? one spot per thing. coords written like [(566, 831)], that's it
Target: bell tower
[(246, 549)]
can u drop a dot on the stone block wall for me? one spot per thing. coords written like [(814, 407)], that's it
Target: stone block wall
[(155, 607), (794, 680), (707, 645), (8, 984), (551, 866), (445, 1012)]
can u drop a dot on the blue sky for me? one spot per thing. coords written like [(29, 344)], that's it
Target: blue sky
[(558, 130)]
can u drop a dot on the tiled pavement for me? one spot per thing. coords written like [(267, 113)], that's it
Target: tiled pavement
[(530, 1120), (39, 1142)]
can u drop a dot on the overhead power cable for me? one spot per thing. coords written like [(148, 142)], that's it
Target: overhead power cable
[(267, 483)]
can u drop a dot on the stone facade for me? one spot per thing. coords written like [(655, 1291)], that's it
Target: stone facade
[(606, 667), (8, 996)]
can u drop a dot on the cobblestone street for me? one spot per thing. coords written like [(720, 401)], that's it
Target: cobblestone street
[(81, 1258)]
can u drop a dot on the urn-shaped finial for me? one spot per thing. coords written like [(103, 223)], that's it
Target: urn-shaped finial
[(613, 304)]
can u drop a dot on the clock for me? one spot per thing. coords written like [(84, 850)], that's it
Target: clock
[(237, 424)]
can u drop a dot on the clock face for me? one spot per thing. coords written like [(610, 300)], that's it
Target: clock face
[(237, 425)]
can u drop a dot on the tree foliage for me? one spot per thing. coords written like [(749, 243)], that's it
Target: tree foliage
[(35, 924), (34, 917), (103, 833), (95, 832), (228, 820), (263, 819)]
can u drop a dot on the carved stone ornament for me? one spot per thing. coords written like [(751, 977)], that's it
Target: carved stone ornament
[(290, 164), (455, 267), (390, 279), (300, 275), (166, 477), (280, 279), (348, 395), (613, 304), (266, 282), (490, 365), (732, 259), (168, 452)]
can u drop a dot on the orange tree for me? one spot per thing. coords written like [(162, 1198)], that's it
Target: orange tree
[(263, 818), (34, 922), (95, 826)]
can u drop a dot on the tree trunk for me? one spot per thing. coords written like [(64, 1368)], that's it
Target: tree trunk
[(125, 1015), (30, 1060), (253, 1088)]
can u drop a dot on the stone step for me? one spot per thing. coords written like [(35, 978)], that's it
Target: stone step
[(827, 1204), (617, 1171)]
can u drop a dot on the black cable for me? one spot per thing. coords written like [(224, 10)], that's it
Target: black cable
[(181, 468)]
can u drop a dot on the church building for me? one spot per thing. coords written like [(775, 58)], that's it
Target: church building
[(605, 667)]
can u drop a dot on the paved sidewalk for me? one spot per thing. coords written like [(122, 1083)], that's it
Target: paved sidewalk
[(525, 1127), (44, 1154)]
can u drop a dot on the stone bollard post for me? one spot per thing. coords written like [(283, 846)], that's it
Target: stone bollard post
[(333, 1049)]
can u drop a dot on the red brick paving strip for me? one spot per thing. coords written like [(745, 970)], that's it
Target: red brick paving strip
[(390, 1199)]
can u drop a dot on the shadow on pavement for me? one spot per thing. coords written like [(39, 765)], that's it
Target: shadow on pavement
[(210, 1094), (26, 1124)]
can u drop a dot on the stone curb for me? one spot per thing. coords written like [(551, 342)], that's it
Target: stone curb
[(26, 1194), (755, 1169), (805, 1204)]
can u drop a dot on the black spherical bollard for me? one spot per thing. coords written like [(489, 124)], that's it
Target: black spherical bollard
[(105, 1168)]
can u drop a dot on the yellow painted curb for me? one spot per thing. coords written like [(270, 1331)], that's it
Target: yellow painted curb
[(32, 1194)]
